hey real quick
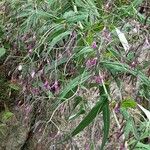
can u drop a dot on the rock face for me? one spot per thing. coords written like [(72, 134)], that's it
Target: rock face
[(12, 135)]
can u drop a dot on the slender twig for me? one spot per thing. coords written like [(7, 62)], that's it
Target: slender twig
[(50, 120)]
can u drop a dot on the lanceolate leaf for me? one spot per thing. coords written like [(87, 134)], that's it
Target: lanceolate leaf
[(73, 83), (85, 50), (77, 101), (2, 51), (90, 116), (58, 38), (64, 95), (124, 68), (106, 120), (147, 112), (74, 116), (123, 40), (141, 146), (116, 66)]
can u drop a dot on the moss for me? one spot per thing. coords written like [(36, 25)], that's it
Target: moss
[(3, 89)]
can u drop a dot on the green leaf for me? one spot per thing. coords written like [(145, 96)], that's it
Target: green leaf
[(6, 116), (85, 50), (69, 14), (3, 130), (90, 38), (127, 128), (14, 87), (69, 88), (71, 92), (125, 113), (74, 116), (90, 116), (128, 103), (106, 120), (130, 126), (76, 18), (141, 146), (97, 27), (77, 100), (130, 56), (116, 67), (58, 38), (73, 83), (92, 146), (2, 51), (44, 14)]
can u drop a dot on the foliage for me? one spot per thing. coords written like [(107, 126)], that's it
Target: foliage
[(61, 48)]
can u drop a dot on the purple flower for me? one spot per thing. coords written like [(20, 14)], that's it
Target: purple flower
[(117, 108), (46, 85), (94, 46), (106, 35), (35, 91), (91, 62), (87, 146), (122, 147), (133, 64), (25, 37), (98, 79), (55, 87), (29, 47)]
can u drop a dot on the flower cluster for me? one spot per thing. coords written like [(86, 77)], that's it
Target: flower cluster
[(91, 63), (55, 87), (94, 46), (98, 79)]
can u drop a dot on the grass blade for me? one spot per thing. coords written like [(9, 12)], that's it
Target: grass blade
[(90, 116), (106, 120)]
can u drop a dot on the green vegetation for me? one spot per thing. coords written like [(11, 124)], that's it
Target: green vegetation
[(71, 67)]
